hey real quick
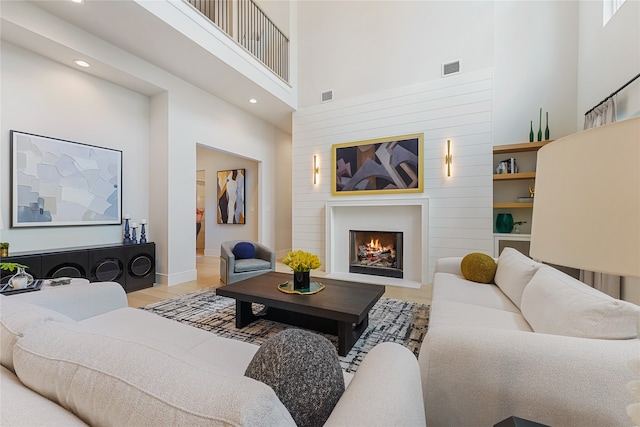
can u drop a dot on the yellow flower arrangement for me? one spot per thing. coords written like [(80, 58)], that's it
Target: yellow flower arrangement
[(301, 261)]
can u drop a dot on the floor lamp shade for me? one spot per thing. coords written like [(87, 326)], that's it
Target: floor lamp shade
[(586, 212)]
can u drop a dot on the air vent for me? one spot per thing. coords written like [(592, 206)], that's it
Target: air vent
[(327, 96), (450, 68)]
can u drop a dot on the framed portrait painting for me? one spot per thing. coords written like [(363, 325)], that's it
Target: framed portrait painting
[(55, 182), (231, 196), (379, 166)]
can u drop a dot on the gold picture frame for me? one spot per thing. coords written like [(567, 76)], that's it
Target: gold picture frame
[(378, 166)]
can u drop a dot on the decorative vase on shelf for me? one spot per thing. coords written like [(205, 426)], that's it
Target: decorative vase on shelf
[(540, 127), (531, 132), (301, 280), (127, 237), (504, 223), (21, 279), (143, 232), (546, 131)]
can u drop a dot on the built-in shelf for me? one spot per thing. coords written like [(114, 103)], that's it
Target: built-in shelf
[(521, 147), (511, 186), (508, 176), (512, 205)]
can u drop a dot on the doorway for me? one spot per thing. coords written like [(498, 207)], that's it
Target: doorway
[(201, 223)]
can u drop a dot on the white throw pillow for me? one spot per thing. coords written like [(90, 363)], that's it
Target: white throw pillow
[(15, 319), (514, 272), (556, 303), (112, 381)]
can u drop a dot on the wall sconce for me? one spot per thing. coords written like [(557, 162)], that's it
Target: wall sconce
[(448, 158), (316, 169)]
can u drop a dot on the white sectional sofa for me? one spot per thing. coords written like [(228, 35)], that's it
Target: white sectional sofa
[(536, 344), (78, 355)]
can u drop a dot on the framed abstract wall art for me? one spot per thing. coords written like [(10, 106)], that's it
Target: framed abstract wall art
[(379, 166), (63, 183), (231, 196)]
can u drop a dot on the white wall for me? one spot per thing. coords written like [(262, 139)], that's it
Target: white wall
[(459, 108), (535, 64), (378, 45), (360, 47), (608, 57), (46, 98), (283, 194)]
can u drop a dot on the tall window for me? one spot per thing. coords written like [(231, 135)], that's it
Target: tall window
[(609, 8)]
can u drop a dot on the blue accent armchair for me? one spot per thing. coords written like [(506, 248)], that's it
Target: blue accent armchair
[(233, 270)]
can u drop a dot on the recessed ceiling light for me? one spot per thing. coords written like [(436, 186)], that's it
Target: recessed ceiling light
[(253, 101), (81, 63), (78, 1)]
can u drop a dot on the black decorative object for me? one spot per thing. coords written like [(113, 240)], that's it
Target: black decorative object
[(133, 266), (531, 132), (546, 131), (134, 239), (300, 280), (540, 127)]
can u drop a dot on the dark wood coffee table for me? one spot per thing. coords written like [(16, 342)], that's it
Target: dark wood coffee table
[(341, 308)]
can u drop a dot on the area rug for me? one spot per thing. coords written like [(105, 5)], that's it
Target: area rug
[(389, 320)]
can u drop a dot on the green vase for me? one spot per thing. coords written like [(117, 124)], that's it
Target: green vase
[(531, 132), (546, 131), (504, 223), (540, 127)]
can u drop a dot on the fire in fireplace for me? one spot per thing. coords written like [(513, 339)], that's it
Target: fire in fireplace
[(378, 253)]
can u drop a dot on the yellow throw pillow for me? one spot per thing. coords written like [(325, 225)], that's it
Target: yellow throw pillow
[(478, 267)]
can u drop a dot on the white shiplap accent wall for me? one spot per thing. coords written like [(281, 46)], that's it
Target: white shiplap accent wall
[(457, 108)]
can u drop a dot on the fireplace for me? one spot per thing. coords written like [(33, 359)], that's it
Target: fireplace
[(378, 253)]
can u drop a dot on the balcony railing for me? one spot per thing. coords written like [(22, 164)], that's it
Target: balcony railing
[(248, 25)]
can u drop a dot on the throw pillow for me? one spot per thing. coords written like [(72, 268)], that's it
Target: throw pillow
[(244, 250), (304, 371), (555, 303), (514, 272), (16, 320), (478, 267)]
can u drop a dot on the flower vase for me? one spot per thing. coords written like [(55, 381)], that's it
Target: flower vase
[(301, 280), (21, 279), (504, 223)]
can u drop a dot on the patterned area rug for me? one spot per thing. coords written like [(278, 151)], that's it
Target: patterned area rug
[(389, 320)]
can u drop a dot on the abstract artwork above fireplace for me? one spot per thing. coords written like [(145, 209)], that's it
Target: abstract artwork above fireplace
[(378, 166)]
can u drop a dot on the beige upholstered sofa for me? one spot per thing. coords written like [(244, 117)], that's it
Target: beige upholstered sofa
[(536, 344), (78, 355)]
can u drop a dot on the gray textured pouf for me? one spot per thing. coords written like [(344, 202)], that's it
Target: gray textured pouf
[(304, 371)]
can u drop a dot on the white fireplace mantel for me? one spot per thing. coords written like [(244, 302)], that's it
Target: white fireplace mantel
[(410, 216)]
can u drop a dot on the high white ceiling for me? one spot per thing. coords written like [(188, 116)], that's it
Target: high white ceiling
[(130, 27)]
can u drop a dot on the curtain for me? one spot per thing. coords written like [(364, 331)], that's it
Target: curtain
[(602, 114), (608, 283)]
